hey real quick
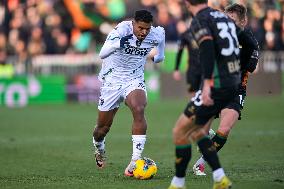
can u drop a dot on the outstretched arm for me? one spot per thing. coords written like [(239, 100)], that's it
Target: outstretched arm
[(160, 56), (111, 44)]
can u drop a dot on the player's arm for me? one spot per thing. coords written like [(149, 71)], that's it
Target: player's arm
[(207, 60), (116, 39), (160, 56), (250, 44), (181, 45), (204, 38), (111, 44)]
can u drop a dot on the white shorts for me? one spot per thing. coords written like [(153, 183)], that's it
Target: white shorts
[(112, 94)]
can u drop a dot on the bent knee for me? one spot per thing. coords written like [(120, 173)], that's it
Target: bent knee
[(179, 138), (138, 109)]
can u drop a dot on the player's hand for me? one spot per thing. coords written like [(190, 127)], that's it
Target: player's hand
[(124, 40), (177, 75), (206, 94)]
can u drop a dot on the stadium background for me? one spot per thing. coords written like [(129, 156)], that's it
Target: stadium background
[(48, 67)]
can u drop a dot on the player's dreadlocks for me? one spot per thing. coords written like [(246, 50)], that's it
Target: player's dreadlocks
[(144, 16)]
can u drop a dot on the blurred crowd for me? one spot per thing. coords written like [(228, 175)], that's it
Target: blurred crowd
[(34, 27)]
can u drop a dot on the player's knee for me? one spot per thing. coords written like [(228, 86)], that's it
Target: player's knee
[(177, 136), (138, 109), (175, 132)]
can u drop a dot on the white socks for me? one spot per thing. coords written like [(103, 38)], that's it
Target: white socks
[(178, 181), (138, 142), (99, 145), (138, 145), (218, 174)]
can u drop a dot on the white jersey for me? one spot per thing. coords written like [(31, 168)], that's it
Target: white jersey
[(122, 65)]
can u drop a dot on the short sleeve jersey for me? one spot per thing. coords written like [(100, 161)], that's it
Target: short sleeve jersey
[(212, 24), (126, 64)]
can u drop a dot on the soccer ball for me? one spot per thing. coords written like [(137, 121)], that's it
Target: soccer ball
[(145, 168)]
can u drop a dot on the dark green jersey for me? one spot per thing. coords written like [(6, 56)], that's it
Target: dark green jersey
[(216, 26)]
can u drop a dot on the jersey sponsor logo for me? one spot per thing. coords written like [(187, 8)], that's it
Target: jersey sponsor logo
[(136, 51), (234, 66)]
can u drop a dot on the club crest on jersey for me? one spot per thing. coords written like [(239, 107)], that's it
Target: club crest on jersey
[(138, 43)]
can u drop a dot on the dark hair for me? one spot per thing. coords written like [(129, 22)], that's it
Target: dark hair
[(144, 16), (196, 2), (239, 9)]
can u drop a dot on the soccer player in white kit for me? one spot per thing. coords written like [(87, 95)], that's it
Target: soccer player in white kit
[(124, 55)]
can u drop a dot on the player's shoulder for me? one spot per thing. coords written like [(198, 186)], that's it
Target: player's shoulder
[(157, 33), (248, 32), (124, 27), (248, 36), (210, 15)]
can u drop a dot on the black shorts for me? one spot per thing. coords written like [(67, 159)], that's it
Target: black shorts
[(221, 97), (237, 104), (193, 80)]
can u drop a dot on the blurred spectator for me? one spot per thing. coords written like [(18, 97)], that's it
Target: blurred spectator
[(165, 20), (36, 45), (6, 69), (35, 27)]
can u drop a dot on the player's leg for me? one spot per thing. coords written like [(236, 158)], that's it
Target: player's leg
[(136, 100), (206, 146), (181, 132), (209, 153), (228, 118), (108, 105), (185, 133), (104, 122), (199, 166), (183, 136)]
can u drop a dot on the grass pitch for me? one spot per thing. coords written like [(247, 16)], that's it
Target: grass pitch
[(50, 146)]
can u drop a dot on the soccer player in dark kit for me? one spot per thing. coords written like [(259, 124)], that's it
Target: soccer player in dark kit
[(219, 51), (248, 60), (193, 73)]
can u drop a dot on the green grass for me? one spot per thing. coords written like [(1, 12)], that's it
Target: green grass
[(50, 146)]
